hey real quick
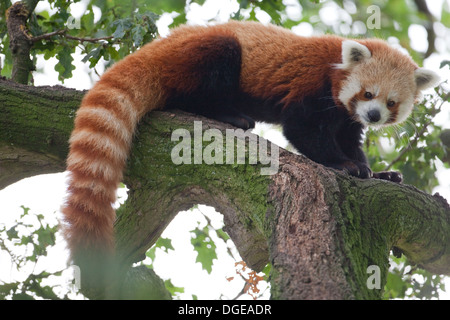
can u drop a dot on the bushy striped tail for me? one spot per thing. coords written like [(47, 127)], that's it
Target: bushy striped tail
[(99, 147)]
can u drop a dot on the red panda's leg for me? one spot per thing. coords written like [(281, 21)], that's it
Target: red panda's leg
[(354, 151), (314, 133)]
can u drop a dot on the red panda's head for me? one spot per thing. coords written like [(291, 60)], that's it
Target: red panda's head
[(382, 84)]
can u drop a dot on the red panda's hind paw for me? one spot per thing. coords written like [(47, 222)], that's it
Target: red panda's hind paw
[(393, 176)]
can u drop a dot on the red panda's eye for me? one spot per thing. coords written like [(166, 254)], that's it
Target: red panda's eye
[(391, 103), (368, 95)]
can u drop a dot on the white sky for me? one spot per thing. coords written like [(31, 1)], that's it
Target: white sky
[(44, 194)]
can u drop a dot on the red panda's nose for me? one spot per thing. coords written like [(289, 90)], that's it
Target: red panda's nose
[(374, 116)]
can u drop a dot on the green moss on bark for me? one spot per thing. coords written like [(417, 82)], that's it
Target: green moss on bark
[(164, 188)]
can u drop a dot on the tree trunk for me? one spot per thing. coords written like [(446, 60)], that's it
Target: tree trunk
[(20, 40), (327, 235)]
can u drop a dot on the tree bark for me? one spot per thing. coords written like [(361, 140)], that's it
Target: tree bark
[(20, 41), (35, 126), (321, 230)]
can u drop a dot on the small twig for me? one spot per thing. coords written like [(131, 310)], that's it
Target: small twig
[(63, 33), (48, 35), (88, 39)]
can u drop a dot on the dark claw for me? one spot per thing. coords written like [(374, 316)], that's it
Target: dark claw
[(393, 176)]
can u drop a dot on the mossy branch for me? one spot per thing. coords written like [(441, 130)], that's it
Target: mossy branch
[(320, 229)]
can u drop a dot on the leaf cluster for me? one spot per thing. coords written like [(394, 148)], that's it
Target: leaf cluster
[(27, 242), (205, 239), (406, 281), (100, 33)]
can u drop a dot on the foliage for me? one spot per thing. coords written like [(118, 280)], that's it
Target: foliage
[(124, 26), (27, 242), (406, 281), (204, 240), (205, 248)]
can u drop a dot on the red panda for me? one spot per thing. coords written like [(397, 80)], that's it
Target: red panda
[(323, 90)]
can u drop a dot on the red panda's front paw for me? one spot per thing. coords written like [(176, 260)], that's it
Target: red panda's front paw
[(393, 176), (354, 168)]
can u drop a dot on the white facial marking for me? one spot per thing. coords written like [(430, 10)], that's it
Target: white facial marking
[(364, 107), (351, 87), (404, 110)]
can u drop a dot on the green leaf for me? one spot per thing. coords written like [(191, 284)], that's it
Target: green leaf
[(87, 20), (161, 6), (25, 211), (7, 288), (114, 54), (180, 19), (164, 244), (46, 237), (395, 286), (444, 63), (445, 17), (222, 235), (273, 8), (200, 2), (94, 55), (172, 289), (12, 233), (205, 247), (137, 34), (64, 65), (122, 26), (22, 296)]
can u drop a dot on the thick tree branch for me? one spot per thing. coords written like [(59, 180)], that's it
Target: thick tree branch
[(35, 125), (320, 229), (17, 163)]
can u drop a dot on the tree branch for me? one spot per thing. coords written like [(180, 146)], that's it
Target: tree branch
[(19, 41), (64, 34), (319, 228), (431, 35), (34, 129), (445, 138)]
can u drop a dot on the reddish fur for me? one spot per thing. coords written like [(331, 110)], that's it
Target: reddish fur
[(178, 66), (394, 113)]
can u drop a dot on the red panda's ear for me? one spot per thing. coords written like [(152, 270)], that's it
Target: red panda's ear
[(353, 53), (425, 78)]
